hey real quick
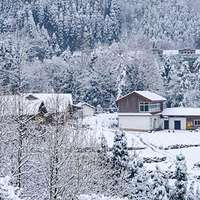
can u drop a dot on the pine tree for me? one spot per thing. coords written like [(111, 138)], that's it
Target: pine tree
[(158, 186), (41, 14), (120, 153), (119, 158), (103, 144), (180, 188), (191, 195), (140, 184), (115, 16), (167, 185), (197, 193), (132, 168), (103, 152), (107, 30)]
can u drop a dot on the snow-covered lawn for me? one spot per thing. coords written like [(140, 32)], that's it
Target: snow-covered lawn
[(160, 144), (163, 139), (107, 124)]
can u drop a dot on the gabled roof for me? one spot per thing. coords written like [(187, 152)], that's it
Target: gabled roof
[(180, 111), (146, 94)]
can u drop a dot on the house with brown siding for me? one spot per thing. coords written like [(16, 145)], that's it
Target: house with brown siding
[(143, 111), (181, 118), (140, 110)]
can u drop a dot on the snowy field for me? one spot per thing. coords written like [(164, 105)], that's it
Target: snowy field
[(160, 144)]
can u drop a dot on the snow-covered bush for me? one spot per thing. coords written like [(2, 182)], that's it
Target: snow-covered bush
[(7, 191)]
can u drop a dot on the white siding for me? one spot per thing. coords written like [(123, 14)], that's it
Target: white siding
[(183, 122), (155, 122), (135, 122), (87, 111), (162, 122), (171, 122)]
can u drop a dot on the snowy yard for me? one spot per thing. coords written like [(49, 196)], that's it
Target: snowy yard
[(161, 144)]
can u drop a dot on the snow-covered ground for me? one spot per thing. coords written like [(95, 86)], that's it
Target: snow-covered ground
[(107, 124), (7, 191), (161, 144), (95, 197)]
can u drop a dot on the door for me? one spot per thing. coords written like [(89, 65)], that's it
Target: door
[(177, 125), (166, 124)]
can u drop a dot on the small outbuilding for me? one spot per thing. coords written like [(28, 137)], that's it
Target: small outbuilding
[(85, 110)]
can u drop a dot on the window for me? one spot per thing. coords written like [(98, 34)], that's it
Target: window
[(144, 107), (154, 107), (197, 122), (149, 107)]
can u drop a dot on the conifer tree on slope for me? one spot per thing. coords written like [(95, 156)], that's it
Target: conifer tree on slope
[(120, 155), (104, 172), (180, 188), (103, 149), (159, 191), (191, 194), (197, 193), (140, 184)]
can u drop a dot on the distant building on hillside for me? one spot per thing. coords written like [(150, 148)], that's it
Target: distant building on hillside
[(85, 110), (35, 105), (187, 51), (157, 52), (184, 52)]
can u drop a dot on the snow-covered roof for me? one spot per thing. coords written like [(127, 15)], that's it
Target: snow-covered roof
[(148, 95), (9, 104), (81, 104), (170, 52), (134, 114), (176, 52), (180, 111)]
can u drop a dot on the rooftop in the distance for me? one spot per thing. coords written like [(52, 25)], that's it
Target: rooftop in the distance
[(80, 104), (32, 101), (184, 51)]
